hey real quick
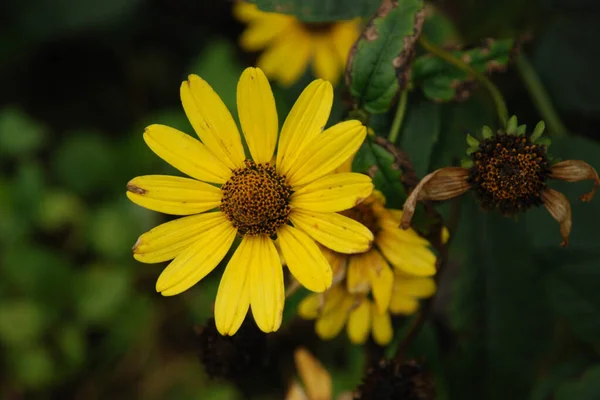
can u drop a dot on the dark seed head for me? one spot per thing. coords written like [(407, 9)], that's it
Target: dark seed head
[(509, 173), (364, 214), (256, 199), (388, 380)]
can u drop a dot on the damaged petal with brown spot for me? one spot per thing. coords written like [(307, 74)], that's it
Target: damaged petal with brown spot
[(442, 184), (256, 199), (559, 207), (575, 171)]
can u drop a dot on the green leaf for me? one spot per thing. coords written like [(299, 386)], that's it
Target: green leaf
[(101, 293), (572, 288), (320, 10), (19, 134), (34, 367), (420, 132), (22, 323), (442, 81), (379, 64), (586, 388)]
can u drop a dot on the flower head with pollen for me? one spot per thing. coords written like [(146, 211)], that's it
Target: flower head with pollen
[(293, 197), (508, 172), (290, 45), (389, 278)]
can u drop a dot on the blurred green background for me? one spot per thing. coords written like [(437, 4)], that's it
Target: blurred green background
[(79, 318)]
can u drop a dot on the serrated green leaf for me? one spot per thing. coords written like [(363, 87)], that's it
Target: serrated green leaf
[(442, 81), (379, 63), (320, 10)]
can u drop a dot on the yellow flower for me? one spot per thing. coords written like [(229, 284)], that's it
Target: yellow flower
[(254, 199), (290, 45), (368, 289)]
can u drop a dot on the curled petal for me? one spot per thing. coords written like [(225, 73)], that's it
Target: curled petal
[(316, 379), (559, 207), (442, 184), (575, 171)]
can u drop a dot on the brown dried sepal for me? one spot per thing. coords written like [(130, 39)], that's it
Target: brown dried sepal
[(559, 207), (442, 184), (575, 171)]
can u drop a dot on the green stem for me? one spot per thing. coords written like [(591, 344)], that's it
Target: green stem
[(451, 59), (540, 97), (399, 117)]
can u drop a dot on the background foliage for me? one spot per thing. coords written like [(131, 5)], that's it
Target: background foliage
[(516, 315)]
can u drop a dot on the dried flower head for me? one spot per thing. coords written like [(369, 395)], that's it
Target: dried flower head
[(508, 173)]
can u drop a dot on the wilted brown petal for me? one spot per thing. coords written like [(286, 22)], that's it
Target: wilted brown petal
[(575, 171), (442, 184), (559, 207)]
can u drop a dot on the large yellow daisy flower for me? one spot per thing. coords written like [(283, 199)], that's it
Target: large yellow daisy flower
[(293, 200), (290, 44), (368, 289)]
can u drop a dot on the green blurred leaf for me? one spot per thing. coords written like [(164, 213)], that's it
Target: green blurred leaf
[(438, 27), (379, 64), (85, 162), (218, 66), (34, 367), (22, 323), (101, 292), (59, 208), (442, 81), (572, 288), (420, 132), (320, 10), (19, 134), (587, 388), (71, 342)]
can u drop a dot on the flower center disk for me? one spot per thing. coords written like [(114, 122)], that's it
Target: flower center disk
[(509, 173), (256, 199), (364, 214)]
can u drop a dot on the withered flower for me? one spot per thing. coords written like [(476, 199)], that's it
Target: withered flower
[(508, 173)]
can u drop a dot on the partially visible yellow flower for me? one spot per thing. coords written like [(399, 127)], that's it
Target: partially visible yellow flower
[(290, 45), (315, 380), (294, 201), (371, 289)]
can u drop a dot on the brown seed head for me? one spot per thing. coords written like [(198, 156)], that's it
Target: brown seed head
[(256, 199), (364, 214)]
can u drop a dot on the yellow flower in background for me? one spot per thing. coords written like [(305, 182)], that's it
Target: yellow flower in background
[(294, 200), (388, 278), (290, 45)]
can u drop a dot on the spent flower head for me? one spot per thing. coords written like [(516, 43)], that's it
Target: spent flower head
[(290, 45), (508, 172), (292, 197)]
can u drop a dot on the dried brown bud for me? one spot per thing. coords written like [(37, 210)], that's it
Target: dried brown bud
[(442, 184), (575, 171)]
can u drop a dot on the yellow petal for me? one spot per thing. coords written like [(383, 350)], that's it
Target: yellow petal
[(335, 231), (381, 278), (359, 323), (382, 327), (286, 59), (414, 287), (403, 305), (357, 276), (266, 284), (326, 64), (304, 259), (344, 36), (186, 154), (305, 121), (316, 379), (212, 121), (408, 258), (258, 115), (246, 12), (330, 324), (334, 298), (233, 295), (167, 240), (173, 195), (197, 261), (309, 306), (337, 261), (261, 33), (295, 392), (327, 152), (335, 192), (390, 221)]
